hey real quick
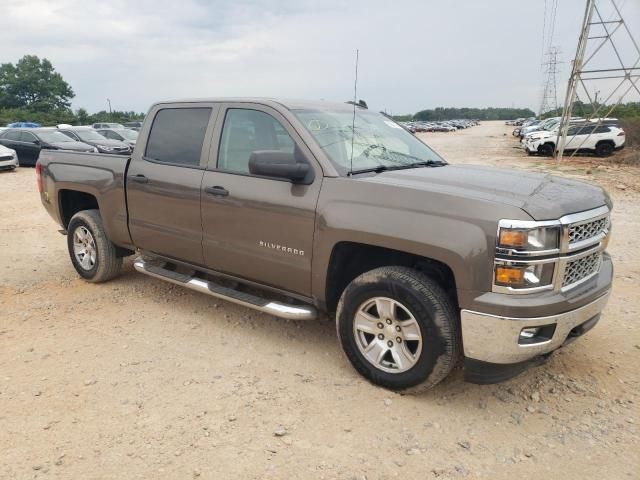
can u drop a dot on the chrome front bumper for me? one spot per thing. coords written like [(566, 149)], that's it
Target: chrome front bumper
[(496, 339)]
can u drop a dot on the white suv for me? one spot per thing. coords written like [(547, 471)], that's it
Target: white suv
[(601, 139)]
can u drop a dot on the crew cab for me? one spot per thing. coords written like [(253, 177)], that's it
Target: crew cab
[(300, 209)]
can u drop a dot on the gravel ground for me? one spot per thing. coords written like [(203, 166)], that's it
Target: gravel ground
[(137, 378)]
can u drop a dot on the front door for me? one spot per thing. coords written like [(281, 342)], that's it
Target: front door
[(257, 228), (30, 149), (164, 182)]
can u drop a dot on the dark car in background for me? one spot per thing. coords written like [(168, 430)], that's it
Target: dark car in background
[(92, 137), (125, 135), (29, 142), (133, 125), (107, 125)]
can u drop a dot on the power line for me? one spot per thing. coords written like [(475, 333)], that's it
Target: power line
[(583, 72), (550, 92)]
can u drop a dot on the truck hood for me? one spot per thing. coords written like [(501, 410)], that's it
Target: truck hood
[(543, 197)]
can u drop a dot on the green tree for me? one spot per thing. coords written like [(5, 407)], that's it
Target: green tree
[(33, 84)]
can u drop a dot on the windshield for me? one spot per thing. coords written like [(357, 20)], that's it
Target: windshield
[(89, 135), (377, 142), (54, 137), (128, 134)]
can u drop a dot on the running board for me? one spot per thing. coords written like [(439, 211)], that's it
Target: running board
[(278, 309)]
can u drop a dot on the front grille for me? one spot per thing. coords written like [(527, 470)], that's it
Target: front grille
[(587, 230), (581, 268)]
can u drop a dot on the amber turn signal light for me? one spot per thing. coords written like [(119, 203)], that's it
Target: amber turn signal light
[(513, 238), (512, 276)]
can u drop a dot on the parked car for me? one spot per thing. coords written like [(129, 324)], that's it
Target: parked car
[(98, 126), (93, 137), (124, 135), (28, 143), (8, 158), (584, 137), (133, 125), (23, 125), (420, 261)]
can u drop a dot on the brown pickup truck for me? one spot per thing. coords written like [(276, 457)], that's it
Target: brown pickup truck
[(296, 208)]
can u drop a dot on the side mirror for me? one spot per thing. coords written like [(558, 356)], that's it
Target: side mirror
[(36, 141), (274, 163)]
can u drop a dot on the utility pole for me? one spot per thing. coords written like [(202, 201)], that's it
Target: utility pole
[(550, 92), (598, 31), (110, 112)]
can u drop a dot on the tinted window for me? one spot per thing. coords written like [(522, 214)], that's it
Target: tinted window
[(177, 135), (246, 131), (12, 136), (28, 137), (601, 129)]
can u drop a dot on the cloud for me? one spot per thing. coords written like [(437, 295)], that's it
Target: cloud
[(414, 54)]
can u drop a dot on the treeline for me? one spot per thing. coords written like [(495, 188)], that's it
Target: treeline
[(581, 109), (65, 115), (32, 91), (450, 113)]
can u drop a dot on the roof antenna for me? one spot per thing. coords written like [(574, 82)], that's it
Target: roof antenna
[(353, 122)]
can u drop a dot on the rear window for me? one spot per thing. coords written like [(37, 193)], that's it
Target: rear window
[(177, 135)]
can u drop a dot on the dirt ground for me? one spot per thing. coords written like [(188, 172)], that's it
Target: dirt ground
[(137, 378)]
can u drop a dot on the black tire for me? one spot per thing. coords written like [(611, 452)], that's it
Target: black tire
[(547, 149), (433, 311), (107, 264), (604, 149)]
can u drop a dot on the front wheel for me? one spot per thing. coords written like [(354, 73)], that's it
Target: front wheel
[(398, 328), (547, 149), (93, 255)]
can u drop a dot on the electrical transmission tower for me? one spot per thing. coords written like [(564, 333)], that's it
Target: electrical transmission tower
[(550, 92), (596, 45)]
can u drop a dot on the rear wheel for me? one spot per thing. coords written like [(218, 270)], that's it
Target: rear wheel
[(398, 328), (93, 255), (604, 149)]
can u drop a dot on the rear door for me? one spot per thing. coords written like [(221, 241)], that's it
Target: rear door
[(164, 181), (258, 228)]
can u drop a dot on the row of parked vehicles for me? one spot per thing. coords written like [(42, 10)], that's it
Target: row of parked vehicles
[(446, 126), (601, 136), (22, 145)]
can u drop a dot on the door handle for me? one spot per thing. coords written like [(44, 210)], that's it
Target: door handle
[(217, 191), (140, 179)]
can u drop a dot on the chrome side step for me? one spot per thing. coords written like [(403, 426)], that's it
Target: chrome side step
[(278, 309)]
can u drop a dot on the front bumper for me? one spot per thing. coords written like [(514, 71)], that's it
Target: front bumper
[(497, 339), (12, 163)]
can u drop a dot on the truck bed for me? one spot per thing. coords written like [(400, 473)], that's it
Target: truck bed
[(94, 175)]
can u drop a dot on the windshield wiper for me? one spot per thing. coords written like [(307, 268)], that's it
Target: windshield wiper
[(376, 169), (386, 168)]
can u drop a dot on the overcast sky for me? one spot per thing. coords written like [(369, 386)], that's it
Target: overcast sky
[(413, 54)]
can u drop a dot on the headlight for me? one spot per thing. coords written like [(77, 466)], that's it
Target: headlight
[(533, 240), (106, 148), (519, 277)]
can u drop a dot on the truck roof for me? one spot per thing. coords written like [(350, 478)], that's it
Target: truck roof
[(290, 104)]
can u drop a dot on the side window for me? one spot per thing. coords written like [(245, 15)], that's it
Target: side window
[(13, 136), (246, 131), (177, 135), (28, 137), (602, 129)]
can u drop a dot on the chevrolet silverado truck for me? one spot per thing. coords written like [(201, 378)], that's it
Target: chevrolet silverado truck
[(300, 209)]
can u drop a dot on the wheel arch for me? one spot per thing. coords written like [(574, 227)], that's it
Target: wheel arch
[(349, 260)]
